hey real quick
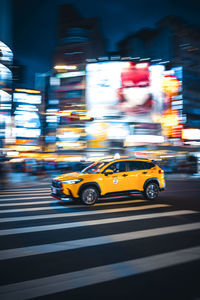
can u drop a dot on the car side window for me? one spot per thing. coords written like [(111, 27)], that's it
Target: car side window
[(117, 167), (147, 165), (134, 166), (139, 165)]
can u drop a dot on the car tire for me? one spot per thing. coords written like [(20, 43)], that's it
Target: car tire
[(89, 195), (151, 191)]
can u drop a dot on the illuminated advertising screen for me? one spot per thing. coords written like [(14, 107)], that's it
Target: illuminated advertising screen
[(27, 98), (5, 73), (26, 115), (125, 89)]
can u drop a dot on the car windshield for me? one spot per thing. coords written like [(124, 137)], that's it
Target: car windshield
[(94, 168)]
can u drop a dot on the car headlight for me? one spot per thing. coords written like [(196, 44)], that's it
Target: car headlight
[(72, 181)]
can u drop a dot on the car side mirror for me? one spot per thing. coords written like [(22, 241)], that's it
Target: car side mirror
[(108, 172)]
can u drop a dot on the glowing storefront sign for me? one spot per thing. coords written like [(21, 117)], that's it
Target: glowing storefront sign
[(27, 119), (71, 74), (191, 134), (117, 131), (27, 98), (6, 54), (4, 96), (28, 91), (27, 133), (5, 73), (143, 139)]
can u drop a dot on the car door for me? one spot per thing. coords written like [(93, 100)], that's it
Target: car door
[(144, 172), (133, 174), (118, 181)]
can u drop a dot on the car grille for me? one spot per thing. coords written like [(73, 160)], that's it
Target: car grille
[(56, 184)]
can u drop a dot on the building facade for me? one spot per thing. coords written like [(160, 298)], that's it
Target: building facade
[(78, 39), (176, 44)]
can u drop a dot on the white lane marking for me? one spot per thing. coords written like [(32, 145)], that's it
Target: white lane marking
[(182, 191), (49, 189), (64, 282), (67, 207), (72, 207), (117, 202), (65, 225), (67, 201), (7, 196), (30, 209), (27, 198), (94, 212), (96, 241), (26, 203), (25, 190)]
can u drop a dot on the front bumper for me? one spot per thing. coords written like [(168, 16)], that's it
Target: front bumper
[(58, 194)]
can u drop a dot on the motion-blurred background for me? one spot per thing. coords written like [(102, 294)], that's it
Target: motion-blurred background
[(80, 82)]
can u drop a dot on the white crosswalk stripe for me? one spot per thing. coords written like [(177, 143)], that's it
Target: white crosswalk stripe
[(75, 207), (19, 196), (22, 193), (25, 203), (66, 281), (24, 190), (72, 225), (29, 209), (95, 212), (65, 202), (28, 198), (102, 240), (77, 279)]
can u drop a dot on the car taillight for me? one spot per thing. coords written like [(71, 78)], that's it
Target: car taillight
[(61, 186), (160, 171)]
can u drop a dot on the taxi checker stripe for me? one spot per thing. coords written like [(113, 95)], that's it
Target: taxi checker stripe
[(64, 282), (65, 225), (96, 241)]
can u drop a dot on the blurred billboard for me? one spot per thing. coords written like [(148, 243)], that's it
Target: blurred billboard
[(125, 90), (26, 115)]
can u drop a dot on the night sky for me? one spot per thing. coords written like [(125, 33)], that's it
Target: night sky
[(35, 23)]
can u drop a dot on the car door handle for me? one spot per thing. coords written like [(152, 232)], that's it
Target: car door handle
[(124, 175), (144, 172)]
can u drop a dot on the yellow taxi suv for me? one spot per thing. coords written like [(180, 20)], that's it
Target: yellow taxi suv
[(112, 177)]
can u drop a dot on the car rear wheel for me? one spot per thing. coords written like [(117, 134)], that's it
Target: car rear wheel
[(151, 191), (89, 195)]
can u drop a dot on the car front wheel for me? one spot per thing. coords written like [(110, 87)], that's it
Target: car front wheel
[(151, 191), (89, 195)]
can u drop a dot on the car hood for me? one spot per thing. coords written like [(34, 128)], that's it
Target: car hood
[(75, 175)]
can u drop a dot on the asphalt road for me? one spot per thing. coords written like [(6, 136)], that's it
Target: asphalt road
[(119, 248)]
